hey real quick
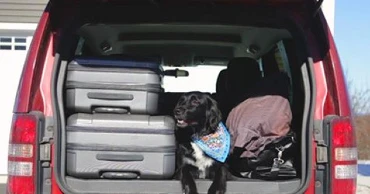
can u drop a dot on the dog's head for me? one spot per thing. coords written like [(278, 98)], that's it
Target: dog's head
[(197, 111)]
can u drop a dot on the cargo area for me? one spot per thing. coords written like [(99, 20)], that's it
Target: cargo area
[(120, 72)]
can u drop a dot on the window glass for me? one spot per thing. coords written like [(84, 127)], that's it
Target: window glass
[(5, 47), (283, 63), (20, 40), (20, 48), (5, 40), (201, 78)]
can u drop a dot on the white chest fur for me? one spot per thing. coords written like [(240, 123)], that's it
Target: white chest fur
[(201, 161)]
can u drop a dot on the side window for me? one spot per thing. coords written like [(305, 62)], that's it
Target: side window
[(276, 60), (80, 47), (281, 58), (261, 66), (282, 61)]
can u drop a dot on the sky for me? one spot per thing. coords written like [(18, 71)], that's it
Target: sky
[(352, 38)]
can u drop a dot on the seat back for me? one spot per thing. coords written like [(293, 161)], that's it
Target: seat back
[(243, 73)]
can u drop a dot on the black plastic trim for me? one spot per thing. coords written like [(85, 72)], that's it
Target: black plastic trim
[(40, 126), (110, 186), (46, 137), (307, 124), (328, 133), (309, 105), (58, 77), (231, 38)]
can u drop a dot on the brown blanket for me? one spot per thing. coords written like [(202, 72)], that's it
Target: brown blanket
[(257, 121)]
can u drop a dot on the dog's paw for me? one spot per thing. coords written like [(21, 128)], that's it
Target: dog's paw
[(216, 192), (214, 189), (187, 190), (190, 192)]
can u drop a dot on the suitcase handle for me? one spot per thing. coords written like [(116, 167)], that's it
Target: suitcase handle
[(107, 96), (110, 110), (119, 175), (120, 158)]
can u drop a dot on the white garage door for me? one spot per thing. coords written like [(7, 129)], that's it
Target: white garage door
[(13, 51)]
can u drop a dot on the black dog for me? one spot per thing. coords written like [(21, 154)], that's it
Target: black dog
[(197, 115)]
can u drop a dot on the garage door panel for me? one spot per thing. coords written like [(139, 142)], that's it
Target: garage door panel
[(12, 62)]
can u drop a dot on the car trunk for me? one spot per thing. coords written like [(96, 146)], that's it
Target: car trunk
[(206, 29)]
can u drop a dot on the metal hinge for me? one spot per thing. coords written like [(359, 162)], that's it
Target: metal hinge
[(44, 170), (322, 171), (45, 154), (321, 152), (321, 145), (45, 148)]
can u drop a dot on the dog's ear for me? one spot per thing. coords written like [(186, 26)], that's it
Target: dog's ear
[(213, 114)]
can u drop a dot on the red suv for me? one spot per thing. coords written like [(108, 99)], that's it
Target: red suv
[(196, 40)]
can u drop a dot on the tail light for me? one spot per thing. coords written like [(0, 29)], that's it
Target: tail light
[(22, 154), (343, 156)]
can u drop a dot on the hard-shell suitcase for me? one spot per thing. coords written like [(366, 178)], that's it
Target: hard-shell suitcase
[(120, 146), (133, 86)]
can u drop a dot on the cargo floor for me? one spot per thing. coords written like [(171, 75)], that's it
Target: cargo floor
[(174, 187)]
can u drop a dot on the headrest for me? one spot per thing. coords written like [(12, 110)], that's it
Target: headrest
[(243, 72), (221, 82), (275, 84)]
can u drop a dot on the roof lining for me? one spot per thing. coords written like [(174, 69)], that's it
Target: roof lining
[(237, 38)]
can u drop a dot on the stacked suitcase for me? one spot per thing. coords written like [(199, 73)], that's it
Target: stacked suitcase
[(115, 130)]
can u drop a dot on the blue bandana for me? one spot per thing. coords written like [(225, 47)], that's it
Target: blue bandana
[(216, 145)]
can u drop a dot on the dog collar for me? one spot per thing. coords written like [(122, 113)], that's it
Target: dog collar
[(215, 145)]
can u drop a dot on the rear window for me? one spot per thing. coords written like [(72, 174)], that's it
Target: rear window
[(201, 78)]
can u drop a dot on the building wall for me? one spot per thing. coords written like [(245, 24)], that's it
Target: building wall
[(328, 8), (14, 43), (18, 21), (21, 11)]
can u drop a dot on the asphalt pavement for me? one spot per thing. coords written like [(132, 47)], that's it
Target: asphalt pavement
[(363, 186), (2, 188)]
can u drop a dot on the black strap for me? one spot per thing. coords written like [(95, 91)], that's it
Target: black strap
[(280, 146), (269, 164)]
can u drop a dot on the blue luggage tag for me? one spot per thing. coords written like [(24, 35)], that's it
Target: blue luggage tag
[(216, 145)]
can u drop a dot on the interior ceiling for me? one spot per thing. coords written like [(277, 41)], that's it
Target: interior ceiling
[(180, 42)]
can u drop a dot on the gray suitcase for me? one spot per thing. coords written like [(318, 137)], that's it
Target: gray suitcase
[(120, 84), (120, 146)]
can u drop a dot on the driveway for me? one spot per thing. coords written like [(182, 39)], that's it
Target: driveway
[(2, 188), (2, 183), (363, 185)]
